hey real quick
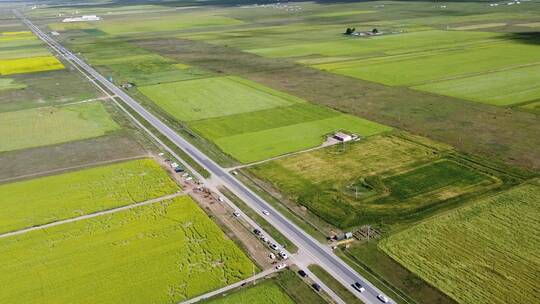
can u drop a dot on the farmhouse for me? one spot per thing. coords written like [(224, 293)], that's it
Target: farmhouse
[(343, 137), (82, 19)]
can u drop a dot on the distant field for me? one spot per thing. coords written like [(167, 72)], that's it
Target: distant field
[(47, 199), (381, 179), (162, 253), (497, 88), (267, 292), (495, 261), (144, 24), (51, 125), (437, 66), (29, 65), (213, 97), (9, 83)]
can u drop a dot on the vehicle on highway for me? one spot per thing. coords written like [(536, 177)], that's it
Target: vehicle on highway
[(382, 298), (358, 287), (274, 246), (316, 286), (302, 273), (281, 266), (265, 212), (283, 255), (236, 213)]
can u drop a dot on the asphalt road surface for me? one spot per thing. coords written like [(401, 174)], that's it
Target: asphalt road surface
[(319, 253)]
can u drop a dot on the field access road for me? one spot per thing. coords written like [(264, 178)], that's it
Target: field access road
[(91, 215), (319, 253)]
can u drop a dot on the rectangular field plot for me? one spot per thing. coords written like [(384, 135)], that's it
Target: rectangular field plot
[(48, 199), (52, 125), (432, 177), (263, 293), (438, 66), (260, 145), (29, 65), (498, 88), (486, 252), (213, 97), (162, 253), (381, 179), (149, 23)]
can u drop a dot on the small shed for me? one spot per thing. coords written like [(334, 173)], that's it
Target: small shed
[(343, 137)]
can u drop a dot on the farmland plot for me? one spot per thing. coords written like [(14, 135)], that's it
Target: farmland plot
[(383, 179), (214, 97), (52, 125), (166, 252), (29, 65), (494, 261), (48, 199), (263, 293)]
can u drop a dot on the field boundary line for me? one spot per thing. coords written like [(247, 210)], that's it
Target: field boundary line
[(216, 292), (47, 172), (323, 145), (92, 215)]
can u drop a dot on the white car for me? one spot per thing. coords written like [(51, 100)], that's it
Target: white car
[(265, 212), (358, 287), (281, 266), (274, 246), (272, 256), (220, 199), (383, 298), (236, 213), (283, 255), (265, 239)]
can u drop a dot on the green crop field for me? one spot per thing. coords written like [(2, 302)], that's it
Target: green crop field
[(485, 252), (379, 180), (213, 97), (260, 145), (143, 24), (498, 88), (48, 199), (251, 122), (434, 176), (52, 125), (166, 252), (267, 292), (9, 83)]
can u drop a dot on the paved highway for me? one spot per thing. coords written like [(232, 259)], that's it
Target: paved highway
[(319, 253)]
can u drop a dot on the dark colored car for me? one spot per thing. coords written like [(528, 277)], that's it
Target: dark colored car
[(316, 286), (257, 231), (302, 273)]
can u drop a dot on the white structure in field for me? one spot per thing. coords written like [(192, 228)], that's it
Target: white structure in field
[(343, 137), (82, 18)]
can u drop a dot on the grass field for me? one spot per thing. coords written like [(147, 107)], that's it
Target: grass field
[(162, 253), (29, 65), (9, 83), (497, 88), (495, 261), (260, 145), (146, 24), (251, 122), (382, 180), (267, 292), (214, 97), (52, 125), (48, 199)]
